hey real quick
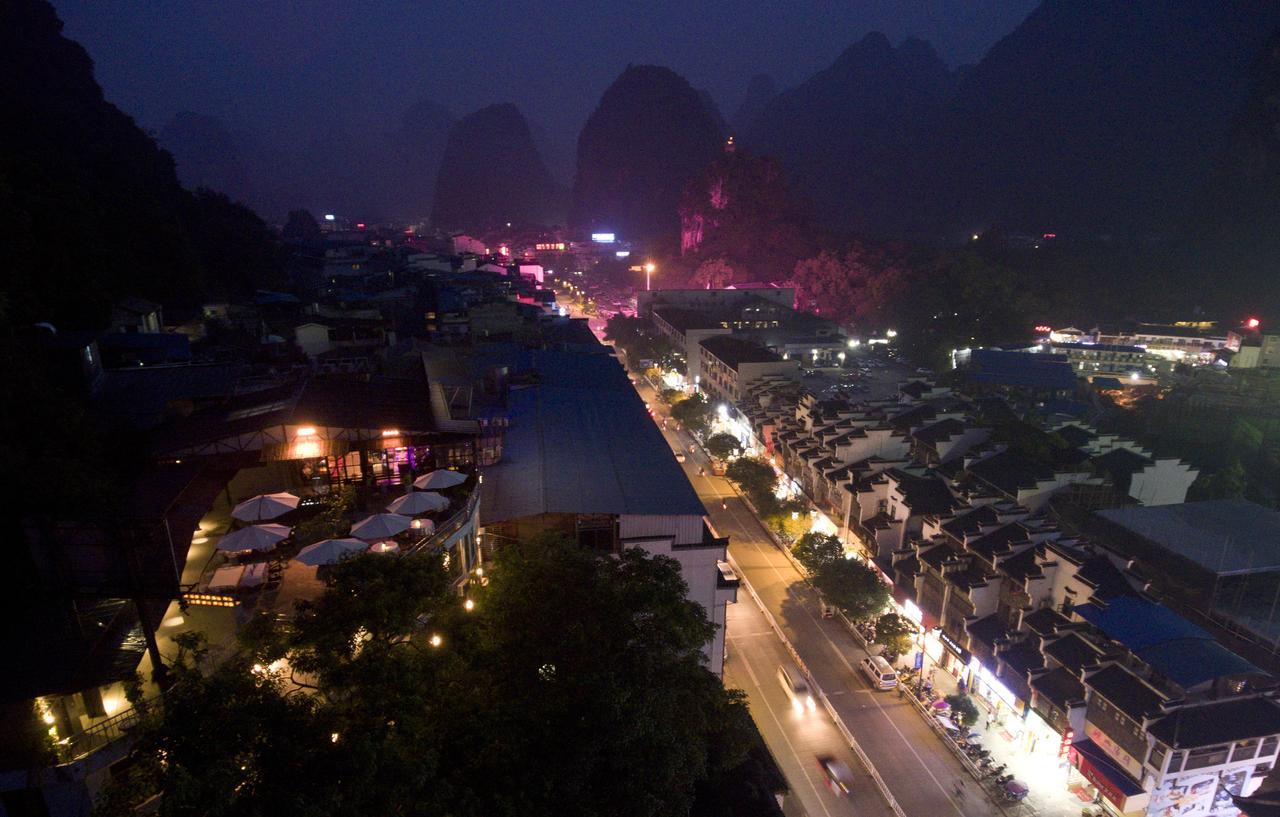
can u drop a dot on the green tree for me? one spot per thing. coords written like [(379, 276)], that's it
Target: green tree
[(714, 273), (963, 711), (894, 633), (816, 550), (754, 477), (671, 396), (723, 446), (1227, 483), (855, 588), (577, 678), (330, 521), (693, 413)]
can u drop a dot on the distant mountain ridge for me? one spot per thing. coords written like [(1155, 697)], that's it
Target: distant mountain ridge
[(1090, 116), (649, 135), (492, 173)]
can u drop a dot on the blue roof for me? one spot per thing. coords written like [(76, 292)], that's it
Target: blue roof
[(1190, 662), (1170, 644), (1138, 623), (580, 442), (1021, 369)]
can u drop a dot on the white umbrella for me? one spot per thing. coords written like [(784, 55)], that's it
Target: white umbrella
[(265, 506), (329, 551), (439, 479), (254, 537), (416, 502), (385, 547), (380, 526)]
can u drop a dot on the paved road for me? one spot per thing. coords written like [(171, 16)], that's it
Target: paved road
[(755, 652), (918, 769)]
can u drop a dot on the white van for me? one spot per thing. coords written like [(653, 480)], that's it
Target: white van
[(879, 672), (797, 688)]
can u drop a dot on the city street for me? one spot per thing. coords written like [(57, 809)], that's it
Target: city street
[(917, 768)]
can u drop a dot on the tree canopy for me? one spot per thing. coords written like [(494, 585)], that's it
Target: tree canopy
[(574, 685), (723, 446), (817, 550), (853, 587), (694, 413)]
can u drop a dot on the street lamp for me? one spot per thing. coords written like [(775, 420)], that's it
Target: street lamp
[(648, 271)]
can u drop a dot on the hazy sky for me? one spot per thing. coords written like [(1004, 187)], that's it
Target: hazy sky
[(277, 68)]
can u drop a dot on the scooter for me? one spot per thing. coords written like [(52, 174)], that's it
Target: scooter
[(1001, 780), (996, 771)]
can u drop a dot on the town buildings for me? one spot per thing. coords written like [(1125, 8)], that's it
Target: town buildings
[(385, 366)]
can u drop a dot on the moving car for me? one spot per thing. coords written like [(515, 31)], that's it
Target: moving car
[(680, 457), (797, 688), (839, 777)]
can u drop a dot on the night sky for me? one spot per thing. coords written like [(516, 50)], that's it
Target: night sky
[(284, 71)]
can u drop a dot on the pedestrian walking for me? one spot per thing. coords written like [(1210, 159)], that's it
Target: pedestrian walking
[(958, 785)]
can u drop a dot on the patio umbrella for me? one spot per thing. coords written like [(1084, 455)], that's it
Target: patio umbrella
[(380, 526), (941, 704), (329, 551), (254, 537), (384, 547), (416, 502), (439, 479), (947, 723), (265, 506)]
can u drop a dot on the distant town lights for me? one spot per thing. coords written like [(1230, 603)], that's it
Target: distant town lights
[(1253, 323), (329, 217)]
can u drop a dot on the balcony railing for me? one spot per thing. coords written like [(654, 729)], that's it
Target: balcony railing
[(449, 527), (100, 734)]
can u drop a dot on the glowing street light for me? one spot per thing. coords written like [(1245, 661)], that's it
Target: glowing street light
[(469, 605), (436, 640), (648, 272)]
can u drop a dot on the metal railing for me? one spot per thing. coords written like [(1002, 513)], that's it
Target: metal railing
[(450, 526), (826, 703), (101, 734)]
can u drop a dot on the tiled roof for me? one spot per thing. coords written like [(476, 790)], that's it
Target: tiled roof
[(988, 629), (1044, 621), (1072, 652), (1060, 686), (1125, 691), (1220, 722)]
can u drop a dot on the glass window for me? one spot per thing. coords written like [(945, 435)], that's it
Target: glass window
[(1244, 750), (1175, 762), (1156, 761), (1268, 746), (1207, 756)]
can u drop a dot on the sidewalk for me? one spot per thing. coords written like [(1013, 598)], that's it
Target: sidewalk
[(1039, 771)]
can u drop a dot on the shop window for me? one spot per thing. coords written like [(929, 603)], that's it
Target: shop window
[(1175, 763), (1156, 761), (1245, 750), (1207, 756)]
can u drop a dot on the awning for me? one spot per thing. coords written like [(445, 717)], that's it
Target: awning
[(307, 449), (1113, 782)]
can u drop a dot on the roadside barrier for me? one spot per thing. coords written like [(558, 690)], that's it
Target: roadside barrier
[(835, 717)]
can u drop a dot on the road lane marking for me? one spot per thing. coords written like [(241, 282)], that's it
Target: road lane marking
[(795, 755), (791, 588)]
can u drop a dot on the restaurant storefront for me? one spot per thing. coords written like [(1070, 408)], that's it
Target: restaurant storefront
[(1096, 772)]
